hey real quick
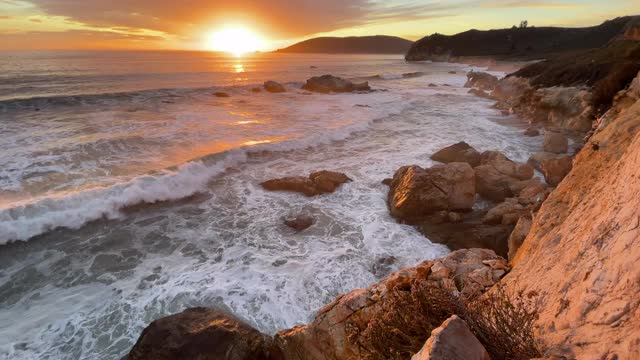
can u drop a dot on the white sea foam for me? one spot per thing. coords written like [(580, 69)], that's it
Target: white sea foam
[(87, 294)]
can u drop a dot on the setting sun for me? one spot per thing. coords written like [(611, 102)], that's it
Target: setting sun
[(235, 40)]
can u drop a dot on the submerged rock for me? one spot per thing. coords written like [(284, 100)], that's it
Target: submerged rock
[(329, 83), (460, 152), (532, 131), (221, 94), (274, 87), (317, 183), (452, 341), (201, 333), (299, 222), (416, 192)]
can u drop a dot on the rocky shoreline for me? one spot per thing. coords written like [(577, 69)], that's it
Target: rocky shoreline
[(560, 249)]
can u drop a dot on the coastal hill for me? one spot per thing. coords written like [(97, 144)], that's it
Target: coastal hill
[(521, 43), (379, 44)]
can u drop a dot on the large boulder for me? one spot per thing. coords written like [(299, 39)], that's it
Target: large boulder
[(339, 328), (452, 341), (481, 80), (498, 177), (274, 87), (320, 182), (328, 83), (536, 159), (416, 192), (201, 333), (460, 152), (534, 193), (504, 213), (555, 142), (556, 169)]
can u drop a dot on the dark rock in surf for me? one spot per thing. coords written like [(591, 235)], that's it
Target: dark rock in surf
[(256, 90), (532, 132), (460, 152), (328, 83), (202, 333), (481, 80), (320, 182), (274, 87), (480, 93), (221, 94), (416, 192), (467, 232), (299, 222)]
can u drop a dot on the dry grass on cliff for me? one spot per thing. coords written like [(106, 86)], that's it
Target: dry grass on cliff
[(606, 70), (504, 324)]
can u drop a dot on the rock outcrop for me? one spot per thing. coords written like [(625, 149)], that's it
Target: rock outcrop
[(328, 83), (481, 80), (320, 182), (274, 87), (581, 253), (452, 341), (460, 152), (336, 330), (202, 333), (416, 192)]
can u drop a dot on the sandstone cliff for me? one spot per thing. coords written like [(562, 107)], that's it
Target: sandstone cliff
[(582, 252)]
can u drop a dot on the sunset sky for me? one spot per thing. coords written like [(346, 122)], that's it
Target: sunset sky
[(189, 24)]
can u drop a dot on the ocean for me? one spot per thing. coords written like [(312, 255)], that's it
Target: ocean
[(128, 191)]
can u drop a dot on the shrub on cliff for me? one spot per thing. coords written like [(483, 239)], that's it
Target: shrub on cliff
[(606, 70), (503, 323)]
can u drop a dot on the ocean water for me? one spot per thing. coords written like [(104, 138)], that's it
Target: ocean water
[(129, 192)]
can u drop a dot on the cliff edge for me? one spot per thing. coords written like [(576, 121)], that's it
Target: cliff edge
[(582, 252)]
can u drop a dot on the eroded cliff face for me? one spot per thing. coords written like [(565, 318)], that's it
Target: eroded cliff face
[(582, 254)]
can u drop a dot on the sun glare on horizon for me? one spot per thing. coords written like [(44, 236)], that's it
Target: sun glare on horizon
[(235, 40)]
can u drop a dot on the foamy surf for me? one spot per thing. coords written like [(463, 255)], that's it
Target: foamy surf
[(87, 293), (23, 221)]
